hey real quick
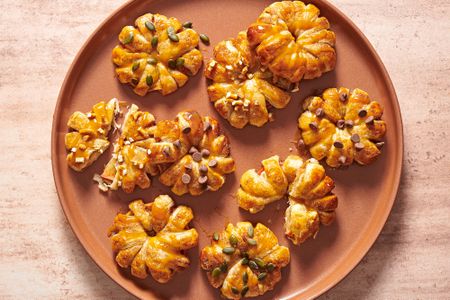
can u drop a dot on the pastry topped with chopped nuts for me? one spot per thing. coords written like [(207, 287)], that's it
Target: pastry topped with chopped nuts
[(89, 136), (311, 202), (130, 161), (293, 41), (342, 126), (241, 91), (151, 238), (244, 261), (157, 54), (190, 153), (259, 188)]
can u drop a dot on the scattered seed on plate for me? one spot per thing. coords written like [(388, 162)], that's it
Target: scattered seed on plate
[(187, 24), (204, 38), (215, 236)]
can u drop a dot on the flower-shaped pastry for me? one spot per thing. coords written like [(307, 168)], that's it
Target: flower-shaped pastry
[(151, 238), (204, 155), (311, 201), (259, 188), (130, 161), (158, 53), (89, 138), (292, 40), (244, 261), (242, 93), (342, 126)]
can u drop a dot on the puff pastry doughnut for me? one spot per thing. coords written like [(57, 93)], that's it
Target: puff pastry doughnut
[(151, 238), (293, 41), (89, 138), (342, 126), (157, 54), (242, 93), (244, 261)]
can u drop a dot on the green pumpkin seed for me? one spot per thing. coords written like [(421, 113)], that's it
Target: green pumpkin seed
[(204, 38), (262, 276), (224, 267), (172, 63), (250, 231), (135, 66), (187, 24), (180, 62), (216, 272), (233, 240), (149, 80), (216, 236), (129, 38), (270, 267), (245, 277), (150, 26), (228, 250), (154, 41), (244, 290), (251, 242), (170, 30), (234, 290), (152, 61), (244, 261), (260, 262), (174, 38), (252, 265)]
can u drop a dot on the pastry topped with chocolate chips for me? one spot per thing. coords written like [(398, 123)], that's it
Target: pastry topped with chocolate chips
[(342, 126)]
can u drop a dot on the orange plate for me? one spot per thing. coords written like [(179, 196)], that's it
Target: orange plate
[(366, 194)]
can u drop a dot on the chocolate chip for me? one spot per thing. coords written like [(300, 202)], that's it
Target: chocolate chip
[(206, 126), (193, 150), (188, 166), (343, 97), (186, 129), (186, 178), (202, 179), (338, 144), (340, 124), (359, 146), (369, 120), (197, 156), (177, 144), (379, 145), (203, 169), (362, 113), (319, 112), (166, 151), (205, 152), (313, 126), (212, 163), (342, 159), (355, 138), (349, 123)]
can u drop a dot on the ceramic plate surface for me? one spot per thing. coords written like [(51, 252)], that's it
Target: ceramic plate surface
[(366, 194)]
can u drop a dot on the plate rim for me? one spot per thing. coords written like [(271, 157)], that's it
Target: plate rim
[(350, 263)]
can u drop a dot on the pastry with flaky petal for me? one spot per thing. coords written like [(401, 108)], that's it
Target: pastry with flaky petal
[(244, 261), (151, 238)]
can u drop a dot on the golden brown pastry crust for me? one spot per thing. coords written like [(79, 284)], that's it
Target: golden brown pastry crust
[(149, 60), (292, 40), (311, 201), (259, 188), (89, 138), (243, 249), (190, 153), (151, 238), (242, 93), (342, 126)]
